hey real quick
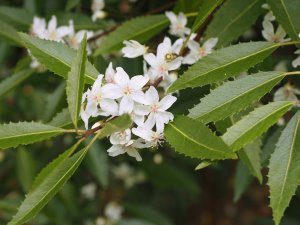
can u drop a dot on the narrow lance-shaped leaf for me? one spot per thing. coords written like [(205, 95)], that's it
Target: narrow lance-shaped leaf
[(9, 34), (61, 119), (242, 180), (223, 63), (250, 155), (284, 168), (194, 139), (75, 82), (206, 8), (254, 124), (287, 14), (233, 19), (234, 96), (12, 81), (18, 17), (56, 56), (23, 133)]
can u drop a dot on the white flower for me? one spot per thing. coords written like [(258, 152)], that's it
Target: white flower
[(166, 58), (269, 33), (129, 148), (153, 138), (120, 138), (101, 221), (287, 93), (129, 90), (197, 52), (133, 49), (269, 16), (113, 211), (97, 9), (89, 191), (296, 62), (38, 28), (55, 33), (156, 109), (178, 24), (73, 39), (110, 74), (97, 102)]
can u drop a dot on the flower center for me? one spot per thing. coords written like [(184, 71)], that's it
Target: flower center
[(202, 51), (154, 108), (127, 90), (275, 39), (157, 138), (170, 56), (53, 35)]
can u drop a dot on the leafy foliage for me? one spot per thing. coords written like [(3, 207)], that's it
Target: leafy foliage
[(9, 34), (20, 18), (56, 56), (233, 19), (223, 64), (185, 135), (22, 133), (284, 168), (234, 96)]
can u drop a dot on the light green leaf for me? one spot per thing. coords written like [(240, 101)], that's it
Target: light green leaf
[(194, 139), (56, 56), (234, 96), (23, 133), (47, 188), (284, 168), (204, 164), (140, 29), (12, 81), (9, 34), (254, 124), (62, 119), (287, 14), (223, 63), (17, 17), (233, 19), (250, 155), (242, 180), (75, 82), (206, 8)]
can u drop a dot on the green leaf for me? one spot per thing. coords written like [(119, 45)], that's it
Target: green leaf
[(206, 8), (23, 133), (62, 119), (254, 124), (233, 19), (204, 164), (284, 168), (12, 81), (47, 188), (223, 63), (242, 180), (194, 139), (140, 29), (18, 17), (287, 14), (250, 155), (75, 82), (9, 34), (56, 56), (72, 4), (234, 96)]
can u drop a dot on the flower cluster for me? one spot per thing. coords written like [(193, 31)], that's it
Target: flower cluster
[(112, 214), (115, 93)]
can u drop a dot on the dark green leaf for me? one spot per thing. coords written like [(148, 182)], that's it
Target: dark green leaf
[(9, 34), (17, 17), (242, 180)]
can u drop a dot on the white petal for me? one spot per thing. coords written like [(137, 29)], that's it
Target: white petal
[(143, 132), (151, 120), (167, 102), (134, 153), (190, 59), (110, 74), (63, 31), (175, 64), (112, 91), (121, 77), (116, 150), (109, 106), (126, 105), (141, 110), (138, 96), (52, 23), (138, 82), (210, 43), (164, 48), (151, 59), (171, 16), (151, 96)]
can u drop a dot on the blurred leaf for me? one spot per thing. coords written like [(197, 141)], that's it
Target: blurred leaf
[(72, 4), (18, 17), (205, 10), (284, 168), (194, 139), (250, 156), (242, 180), (254, 124), (204, 164), (62, 119), (134, 222), (287, 14), (12, 81), (97, 163), (140, 29), (47, 188), (9, 34), (56, 56), (148, 213), (75, 82), (233, 19), (26, 168), (23, 133), (53, 102), (233, 96), (223, 63)]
